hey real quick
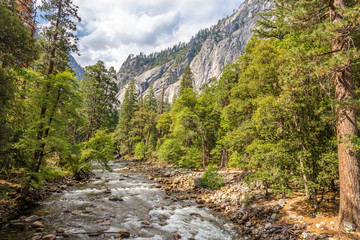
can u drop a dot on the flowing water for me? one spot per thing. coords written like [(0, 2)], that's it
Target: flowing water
[(145, 212)]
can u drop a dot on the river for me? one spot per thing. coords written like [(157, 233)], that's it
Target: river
[(142, 210)]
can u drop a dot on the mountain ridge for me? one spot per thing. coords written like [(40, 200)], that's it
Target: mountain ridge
[(207, 53)]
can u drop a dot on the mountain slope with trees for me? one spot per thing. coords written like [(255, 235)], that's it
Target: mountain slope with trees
[(208, 52)]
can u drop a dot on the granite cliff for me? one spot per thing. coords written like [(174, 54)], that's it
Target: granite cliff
[(207, 53)]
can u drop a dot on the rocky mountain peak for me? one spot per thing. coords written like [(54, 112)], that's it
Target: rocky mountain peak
[(207, 53)]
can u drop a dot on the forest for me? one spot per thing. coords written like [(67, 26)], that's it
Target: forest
[(285, 112)]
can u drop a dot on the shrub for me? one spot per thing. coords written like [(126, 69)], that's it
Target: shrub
[(170, 151), (140, 150), (211, 178)]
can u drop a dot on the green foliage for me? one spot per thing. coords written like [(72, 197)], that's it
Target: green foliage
[(99, 91), (211, 178), (170, 151), (140, 150), (16, 44), (123, 136), (99, 149), (186, 80)]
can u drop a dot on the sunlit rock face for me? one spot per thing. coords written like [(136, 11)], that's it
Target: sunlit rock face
[(207, 53)]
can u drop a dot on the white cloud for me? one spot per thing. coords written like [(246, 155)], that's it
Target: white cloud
[(113, 29)]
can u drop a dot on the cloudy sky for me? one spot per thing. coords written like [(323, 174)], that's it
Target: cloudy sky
[(113, 29)]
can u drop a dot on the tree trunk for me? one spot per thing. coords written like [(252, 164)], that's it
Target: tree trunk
[(346, 130), (54, 43)]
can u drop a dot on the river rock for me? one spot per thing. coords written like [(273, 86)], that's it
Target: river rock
[(115, 198), (349, 227), (37, 224), (32, 218), (106, 223), (60, 230), (49, 237), (177, 236), (124, 234), (195, 214), (198, 183)]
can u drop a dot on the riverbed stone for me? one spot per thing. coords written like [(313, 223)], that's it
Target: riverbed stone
[(60, 230), (349, 227), (198, 183), (124, 234), (115, 198), (49, 237), (37, 224), (177, 236), (32, 218)]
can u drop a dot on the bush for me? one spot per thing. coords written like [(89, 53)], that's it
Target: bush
[(192, 158), (170, 151), (100, 149), (140, 150), (211, 178)]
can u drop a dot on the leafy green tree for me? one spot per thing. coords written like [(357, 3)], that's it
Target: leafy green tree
[(100, 149), (17, 47)]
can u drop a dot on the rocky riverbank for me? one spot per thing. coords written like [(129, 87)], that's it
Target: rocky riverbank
[(254, 214), (11, 207)]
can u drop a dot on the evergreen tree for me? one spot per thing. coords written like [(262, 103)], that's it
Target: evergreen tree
[(321, 35), (186, 80), (99, 91), (58, 38), (150, 103), (124, 135)]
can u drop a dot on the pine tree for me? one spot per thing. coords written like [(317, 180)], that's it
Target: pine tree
[(150, 103), (186, 80), (124, 135), (99, 90), (320, 35)]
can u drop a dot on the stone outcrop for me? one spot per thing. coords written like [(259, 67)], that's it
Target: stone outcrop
[(207, 54)]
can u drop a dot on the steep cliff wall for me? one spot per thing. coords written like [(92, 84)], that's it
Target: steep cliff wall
[(207, 53)]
